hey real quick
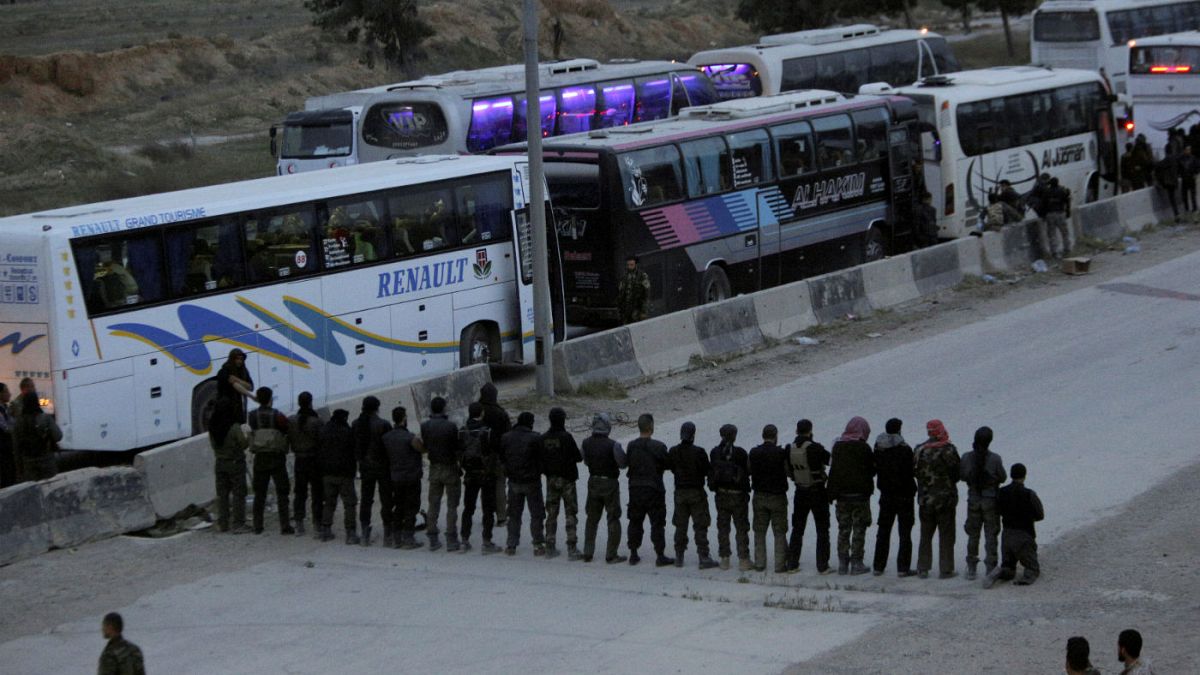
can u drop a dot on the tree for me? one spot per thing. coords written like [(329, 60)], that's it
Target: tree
[(782, 16), (390, 26), (889, 8), (1008, 8), (964, 8)]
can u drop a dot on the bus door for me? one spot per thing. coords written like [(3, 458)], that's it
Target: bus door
[(768, 242), (902, 188)]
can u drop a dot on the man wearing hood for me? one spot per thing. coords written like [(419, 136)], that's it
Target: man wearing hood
[(338, 464), (496, 419), (937, 470), (604, 458), (647, 495), (897, 487), (983, 472), (851, 474), (522, 455), (730, 480), (690, 465), (406, 463), (561, 458), (373, 469), (444, 448), (808, 460), (769, 477)]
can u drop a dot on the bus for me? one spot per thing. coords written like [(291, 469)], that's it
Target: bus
[(335, 283), (1013, 123), (317, 139), (1164, 85), (730, 198), (476, 110), (1096, 34), (839, 59)]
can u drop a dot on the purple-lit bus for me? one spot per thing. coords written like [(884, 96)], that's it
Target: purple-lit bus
[(731, 198), (474, 111)]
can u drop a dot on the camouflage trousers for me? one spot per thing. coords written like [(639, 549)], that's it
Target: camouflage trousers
[(561, 490), (770, 512), (231, 493), (603, 498), (853, 519), (982, 515), (691, 504), (937, 517), (733, 505)]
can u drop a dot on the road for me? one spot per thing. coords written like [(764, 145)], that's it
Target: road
[(1093, 390)]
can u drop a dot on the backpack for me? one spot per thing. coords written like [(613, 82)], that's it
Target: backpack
[(268, 440), (995, 216), (725, 473), (473, 443), (801, 472)]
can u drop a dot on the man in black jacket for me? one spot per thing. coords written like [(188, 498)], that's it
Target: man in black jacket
[(808, 461), (851, 474), (443, 445), (522, 453), (561, 458), (369, 429), (1019, 509), (690, 464), (730, 480), (496, 418), (338, 463), (604, 458), (769, 477), (647, 494), (897, 489), (405, 465), (479, 478)]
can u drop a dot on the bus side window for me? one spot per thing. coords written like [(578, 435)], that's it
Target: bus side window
[(751, 157), (615, 105), (794, 143), (700, 90), (204, 257), (707, 168), (651, 176), (653, 98), (871, 129), (121, 271), (422, 221), (835, 141), (280, 245), (799, 73), (350, 233), (483, 208), (576, 107), (679, 97)]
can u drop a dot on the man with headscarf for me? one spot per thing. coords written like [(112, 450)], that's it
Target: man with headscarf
[(373, 469), (648, 460), (937, 472), (983, 472), (730, 480), (228, 442), (897, 487), (234, 382), (808, 461), (690, 464), (769, 478), (851, 484), (521, 450), (496, 419), (560, 463), (604, 458)]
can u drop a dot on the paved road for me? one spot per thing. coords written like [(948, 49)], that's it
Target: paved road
[(1094, 390)]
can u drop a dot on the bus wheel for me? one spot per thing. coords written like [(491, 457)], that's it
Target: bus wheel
[(1093, 190), (874, 245), (475, 346), (714, 286), (204, 400)]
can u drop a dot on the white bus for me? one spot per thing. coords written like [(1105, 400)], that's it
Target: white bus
[(317, 139), (334, 282), (1164, 85), (476, 110), (1095, 34), (837, 59), (1012, 123)]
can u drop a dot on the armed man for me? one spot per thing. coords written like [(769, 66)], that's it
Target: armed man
[(633, 293)]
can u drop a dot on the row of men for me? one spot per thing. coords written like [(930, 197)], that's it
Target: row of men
[(28, 436), (389, 458)]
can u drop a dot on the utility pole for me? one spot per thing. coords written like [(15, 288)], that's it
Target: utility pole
[(543, 336)]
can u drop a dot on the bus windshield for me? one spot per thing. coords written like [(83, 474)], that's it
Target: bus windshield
[(317, 141), (1066, 26), (734, 80), (405, 125), (1161, 60)]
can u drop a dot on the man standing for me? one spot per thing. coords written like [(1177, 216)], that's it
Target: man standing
[(1129, 650), (268, 444), (1037, 227), (1019, 509), (8, 461), (440, 436), (234, 382), (633, 293), (730, 479), (769, 476), (405, 466), (897, 487), (522, 454), (369, 429), (647, 495), (35, 440), (807, 460), (304, 433), (851, 484), (479, 478), (937, 470), (691, 466), (604, 458), (1057, 203), (228, 442), (339, 463), (560, 463), (983, 472), (496, 419), (1079, 661), (120, 656)]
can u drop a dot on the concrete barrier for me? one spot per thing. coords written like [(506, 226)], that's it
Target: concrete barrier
[(1101, 220), (784, 310), (665, 344), (178, 475), (728, 327), (23, 530), (1137, 210), (889, 282), (837, 294), (970, 255), (936, 268), (459, 388), (600, 357)]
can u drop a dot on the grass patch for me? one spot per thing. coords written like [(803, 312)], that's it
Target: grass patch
[(607, 389), (806, 603), (989, 49)]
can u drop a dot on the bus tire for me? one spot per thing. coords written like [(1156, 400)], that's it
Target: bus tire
[(204, 400), (1093, 190), (874, 245), (714, 285), (475, 346)]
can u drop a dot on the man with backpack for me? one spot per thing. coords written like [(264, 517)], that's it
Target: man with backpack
[(440, 436), (560, 463), (304, 431), (730, 480), (648, 460), (808, 460), (406, 463), (897, 487), (373, 470), (604, 458), (479, 478), (268, 445), (690, 464)]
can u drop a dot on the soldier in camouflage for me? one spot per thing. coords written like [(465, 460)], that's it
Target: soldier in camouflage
[(560, 463), (120, 656), (937, 471), (633, 292)]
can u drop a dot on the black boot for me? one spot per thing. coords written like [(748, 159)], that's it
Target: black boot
[(366, 535), (387, 536), (663, 561), (678, 557)]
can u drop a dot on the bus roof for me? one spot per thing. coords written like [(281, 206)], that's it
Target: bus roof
[(700, 120), (215, 200), (986, 83), (1099, 5), (807, 43), (1184, 39)]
